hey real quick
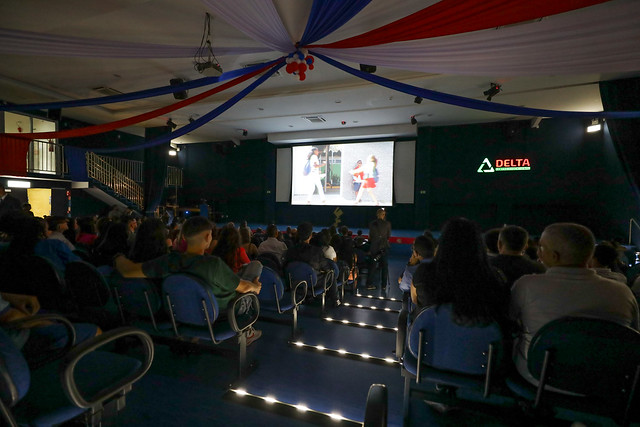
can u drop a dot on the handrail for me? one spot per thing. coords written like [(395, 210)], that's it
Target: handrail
[(102, 171), (632, 221)]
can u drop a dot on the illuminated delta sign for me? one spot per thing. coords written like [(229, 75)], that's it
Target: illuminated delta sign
[(504, 165)]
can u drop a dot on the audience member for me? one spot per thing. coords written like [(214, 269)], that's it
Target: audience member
[(234, 255), (491, 241), (312, 255), (245, 242), (113, 240), (210, 269), (8, 203), (422, 251), (272, 244), (151, 241), (323, 241), (604, 261), (71, 233), (26, 209), (511, 260), (132, 225), (57, 226), (460, 274), (88, 233), (568, 288)]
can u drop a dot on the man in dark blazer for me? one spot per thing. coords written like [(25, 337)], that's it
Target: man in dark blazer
[(8, 203), (379, 234)]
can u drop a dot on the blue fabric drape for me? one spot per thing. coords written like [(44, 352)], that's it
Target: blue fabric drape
[(327, 16), (476, 104), (147, 93), (155, 170), (200, 121), (77, 163)]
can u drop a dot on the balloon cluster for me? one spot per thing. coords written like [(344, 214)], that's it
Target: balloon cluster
[(298, 63)]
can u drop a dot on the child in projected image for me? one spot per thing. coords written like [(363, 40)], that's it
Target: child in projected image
[(369, 182), (314, 175), (358, 177)]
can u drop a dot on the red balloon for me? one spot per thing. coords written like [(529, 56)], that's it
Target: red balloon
[(311, 66), (303, 76), (302, 67), (290, 67)]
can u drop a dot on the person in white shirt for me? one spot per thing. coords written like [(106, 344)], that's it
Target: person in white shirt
[(272, 244), (314, 175), (603, 262)]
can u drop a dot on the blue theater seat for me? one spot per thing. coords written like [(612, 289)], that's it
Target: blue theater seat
[(297, 271), (597, 359), (439, 351), (72, 386), (140, 304), (273, 297), (194, 314)]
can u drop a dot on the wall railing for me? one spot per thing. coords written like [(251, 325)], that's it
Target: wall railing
[(46, 157)]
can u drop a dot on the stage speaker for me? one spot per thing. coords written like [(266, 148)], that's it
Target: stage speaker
[(182, 94)]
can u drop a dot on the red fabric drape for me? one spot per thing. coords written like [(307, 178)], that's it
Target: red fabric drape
[(449, 17), (106, 127), (13, 155)]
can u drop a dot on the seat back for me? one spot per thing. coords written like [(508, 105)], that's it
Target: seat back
[(33, 275), (452, 347), (272, 287), (587, 356), (298, 271), (137, 296), (86, 285), (186, 294), (15, 377)]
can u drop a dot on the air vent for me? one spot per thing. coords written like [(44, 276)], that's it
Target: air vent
[(276, 74), (108, 91), (315, 119)]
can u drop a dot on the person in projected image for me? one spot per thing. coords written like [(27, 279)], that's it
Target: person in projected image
[(358, 177), (314, 175), (369, 171)]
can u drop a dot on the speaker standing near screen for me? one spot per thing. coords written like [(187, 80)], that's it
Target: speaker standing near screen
[(314, 176)]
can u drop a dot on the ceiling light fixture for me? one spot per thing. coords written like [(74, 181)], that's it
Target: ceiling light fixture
[(492, 91), (205, 61), (171, 124)]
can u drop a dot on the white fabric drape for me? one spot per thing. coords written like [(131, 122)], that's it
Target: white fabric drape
[(258, 19), (602, 38)]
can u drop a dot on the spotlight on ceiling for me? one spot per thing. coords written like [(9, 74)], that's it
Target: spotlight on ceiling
[(492, 91), (171, 124), (413, 120), (418, 100), (367, 68), (205, 61), (595, 126)]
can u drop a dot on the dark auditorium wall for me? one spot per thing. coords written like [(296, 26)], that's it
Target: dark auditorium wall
[(574, 176)]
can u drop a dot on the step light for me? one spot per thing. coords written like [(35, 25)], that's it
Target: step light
[(371, 307), (380, 298), (360, 324), (344, 352), (298, 407)]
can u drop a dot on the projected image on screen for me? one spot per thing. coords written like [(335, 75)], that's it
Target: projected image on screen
[(343, 174)]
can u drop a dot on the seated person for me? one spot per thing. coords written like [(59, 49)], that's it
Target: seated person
[(305, 252), (273, 244), (511, 259), (605, 262), (210, 269), (229, 250), (460, 274), (422, 251), (567, 288), (58, 225)]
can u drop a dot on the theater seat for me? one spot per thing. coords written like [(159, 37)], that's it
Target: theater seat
[(273, 297), (194, 313), (72, 386), (297, 271), (597, 359), (439, 351)]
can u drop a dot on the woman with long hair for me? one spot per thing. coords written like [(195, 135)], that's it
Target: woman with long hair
[(151, 241), (234, 255), (460, 275), (245, 242)]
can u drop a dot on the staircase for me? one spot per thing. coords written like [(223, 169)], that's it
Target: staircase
[(113, 182)]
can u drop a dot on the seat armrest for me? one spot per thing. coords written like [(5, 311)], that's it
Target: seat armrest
[(299, 293), (241, 321), (401, 335), (76, 354), (377, 406)]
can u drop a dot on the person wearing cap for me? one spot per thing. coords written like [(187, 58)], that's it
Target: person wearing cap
[(8, 203), (303, 251), (379, 234), (57, 226), (314, 175)]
